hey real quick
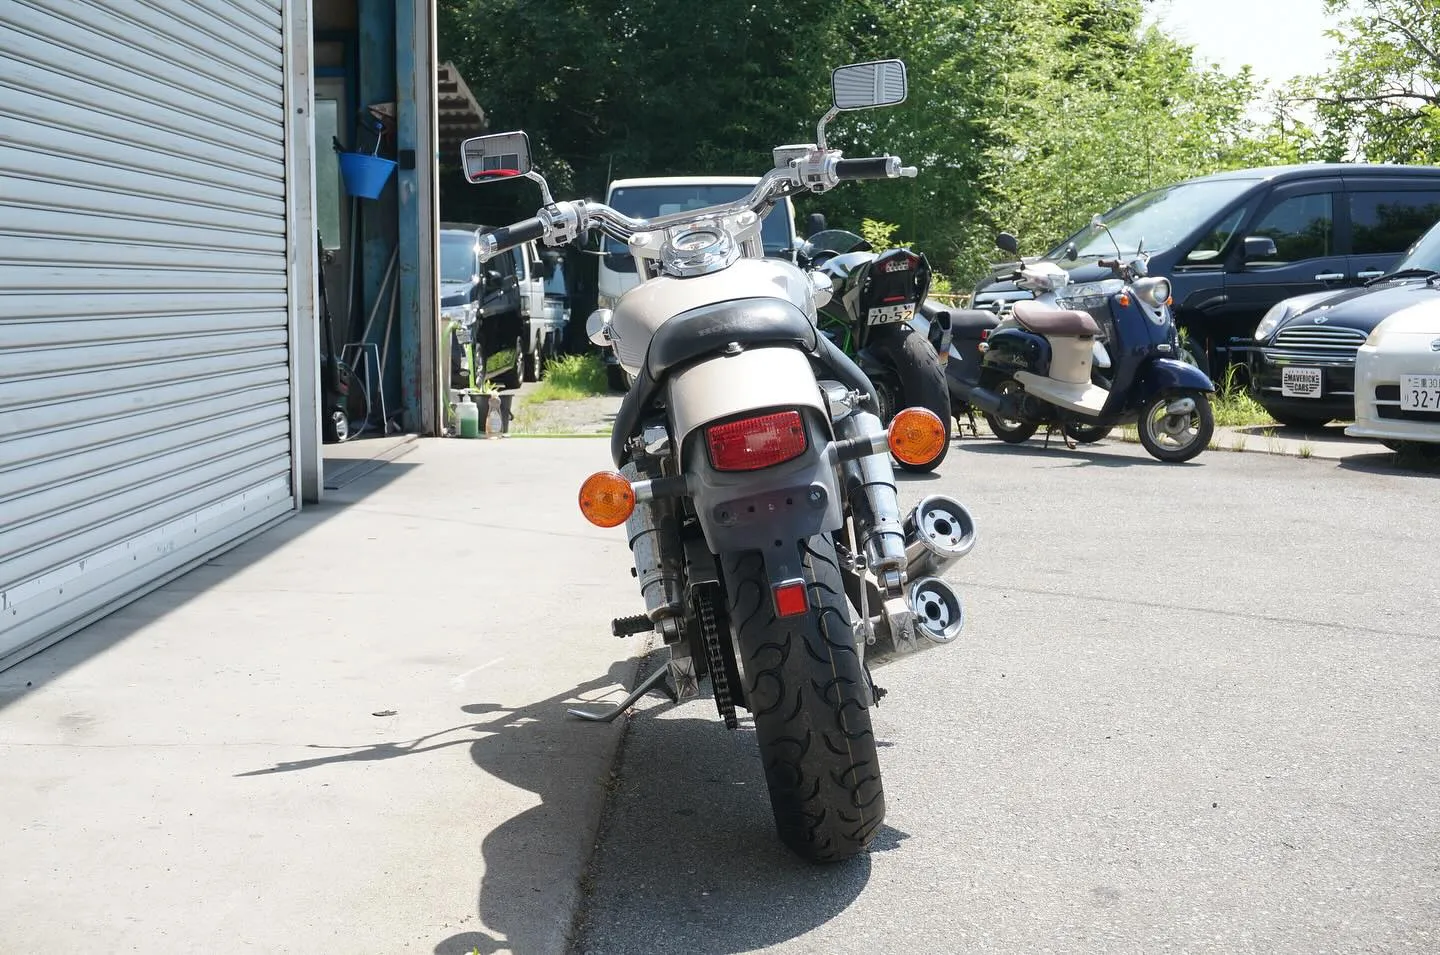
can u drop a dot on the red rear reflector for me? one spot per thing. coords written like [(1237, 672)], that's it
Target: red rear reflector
[(790, 599), (755, 443)]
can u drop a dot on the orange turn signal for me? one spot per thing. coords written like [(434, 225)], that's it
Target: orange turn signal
[(1124, 300), (607, 499), (917, 436)]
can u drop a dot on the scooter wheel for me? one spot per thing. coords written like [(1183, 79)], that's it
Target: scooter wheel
[(1011, 431), (1176, 437)]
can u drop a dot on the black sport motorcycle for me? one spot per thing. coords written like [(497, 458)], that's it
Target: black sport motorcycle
[(879, 315)]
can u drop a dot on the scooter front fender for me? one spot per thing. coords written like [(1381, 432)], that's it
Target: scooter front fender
[(1167, 374)]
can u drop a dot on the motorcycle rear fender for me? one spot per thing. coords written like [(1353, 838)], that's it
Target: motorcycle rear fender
[(752, 510), (1169, 374)]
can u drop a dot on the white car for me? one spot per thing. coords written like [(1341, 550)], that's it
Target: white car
[(1397, 378)]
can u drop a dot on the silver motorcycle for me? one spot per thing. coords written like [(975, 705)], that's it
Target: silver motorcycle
[(754, 480)]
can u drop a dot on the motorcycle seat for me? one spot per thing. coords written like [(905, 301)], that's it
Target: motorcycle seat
[(749, 321), (1044, 320)]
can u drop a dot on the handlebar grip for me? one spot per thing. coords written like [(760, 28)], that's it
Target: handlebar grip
[(874, 167), (507, 237)]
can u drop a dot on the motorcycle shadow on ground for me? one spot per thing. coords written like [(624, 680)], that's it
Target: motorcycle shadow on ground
[(689, 860), (687, 839), (687, 835)]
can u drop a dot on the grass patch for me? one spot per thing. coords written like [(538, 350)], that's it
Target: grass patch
[(1306, 449), (571, 378), (1234, 406)]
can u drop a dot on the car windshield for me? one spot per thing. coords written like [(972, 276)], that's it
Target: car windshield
[(647, 202), (1156, 220), (457, 257), (1424, 254)]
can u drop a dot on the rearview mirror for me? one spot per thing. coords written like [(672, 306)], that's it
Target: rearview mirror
[(597, 327), (497, 156), (865, 85), (1259, 247), (1006, 242)]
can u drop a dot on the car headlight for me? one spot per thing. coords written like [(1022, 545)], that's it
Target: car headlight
[(1373, 338), (1153, 292), (1277, 314)]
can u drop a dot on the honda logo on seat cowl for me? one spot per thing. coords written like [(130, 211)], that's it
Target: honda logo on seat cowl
[(1435, 345)]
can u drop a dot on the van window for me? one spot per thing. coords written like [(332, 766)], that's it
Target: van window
[(1212, 245), (1156, 220), (1302, 227), (1383, 223)]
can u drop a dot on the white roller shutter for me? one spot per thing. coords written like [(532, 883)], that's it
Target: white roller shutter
[(145, 381)]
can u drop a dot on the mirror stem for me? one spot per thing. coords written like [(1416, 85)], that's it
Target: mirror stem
[(544, 186), (820, 127)]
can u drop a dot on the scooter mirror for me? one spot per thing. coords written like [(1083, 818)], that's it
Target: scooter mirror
[(1007, 243)]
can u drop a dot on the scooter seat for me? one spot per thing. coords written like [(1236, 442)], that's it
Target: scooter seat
[(1044, 320)]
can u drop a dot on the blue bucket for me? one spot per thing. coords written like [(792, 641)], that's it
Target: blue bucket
[(365, 176)]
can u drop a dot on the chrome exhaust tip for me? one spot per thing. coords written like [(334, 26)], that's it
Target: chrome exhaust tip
[(939, 614), (938, 532), (929, 615)]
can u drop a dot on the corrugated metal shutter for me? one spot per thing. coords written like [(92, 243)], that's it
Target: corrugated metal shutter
[(144, 361)]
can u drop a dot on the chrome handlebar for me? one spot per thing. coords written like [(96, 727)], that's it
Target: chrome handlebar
[(818, 170)]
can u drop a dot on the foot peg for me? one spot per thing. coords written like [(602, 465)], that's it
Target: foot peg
[(629, 626)]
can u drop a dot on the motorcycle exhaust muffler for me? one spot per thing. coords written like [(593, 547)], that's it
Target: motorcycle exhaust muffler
[(938, 531), (651, 528), (937, 620)]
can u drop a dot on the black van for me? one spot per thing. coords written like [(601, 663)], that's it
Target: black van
[(1235, 243)]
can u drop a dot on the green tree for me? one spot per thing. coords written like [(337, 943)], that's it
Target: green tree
[(1380, 101)]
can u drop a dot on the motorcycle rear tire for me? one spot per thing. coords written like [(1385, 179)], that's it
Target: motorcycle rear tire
[(921, 381), (806, 688)]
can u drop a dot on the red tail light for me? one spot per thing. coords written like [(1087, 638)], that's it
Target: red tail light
[(754, 443)]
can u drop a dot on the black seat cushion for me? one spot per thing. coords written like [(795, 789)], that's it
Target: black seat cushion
[(746, 321)]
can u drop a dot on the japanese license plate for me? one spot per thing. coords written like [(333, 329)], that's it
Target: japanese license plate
[(890, 314), (1300, 382), (1420, 392)]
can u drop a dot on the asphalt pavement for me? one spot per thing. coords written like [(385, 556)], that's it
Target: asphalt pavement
[(1195, 709)]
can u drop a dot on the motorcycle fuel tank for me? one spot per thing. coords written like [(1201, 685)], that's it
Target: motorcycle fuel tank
[(651, 304)]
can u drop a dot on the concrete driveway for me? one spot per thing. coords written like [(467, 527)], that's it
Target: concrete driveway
[(345, 736), (1197, 709)]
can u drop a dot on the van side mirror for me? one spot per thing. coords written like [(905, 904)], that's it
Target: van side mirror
[(814, 223), (492, 279), (1259, 247), (549, 261)]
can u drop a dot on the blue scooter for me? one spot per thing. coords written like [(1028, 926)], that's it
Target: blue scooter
[(1038, 368)]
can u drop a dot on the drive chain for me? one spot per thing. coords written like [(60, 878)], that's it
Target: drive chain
[(715, 658)]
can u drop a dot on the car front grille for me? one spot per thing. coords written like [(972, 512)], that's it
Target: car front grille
[(1316, 344)]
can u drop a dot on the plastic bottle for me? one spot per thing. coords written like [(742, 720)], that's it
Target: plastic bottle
[(469, 415), (494, 421)]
